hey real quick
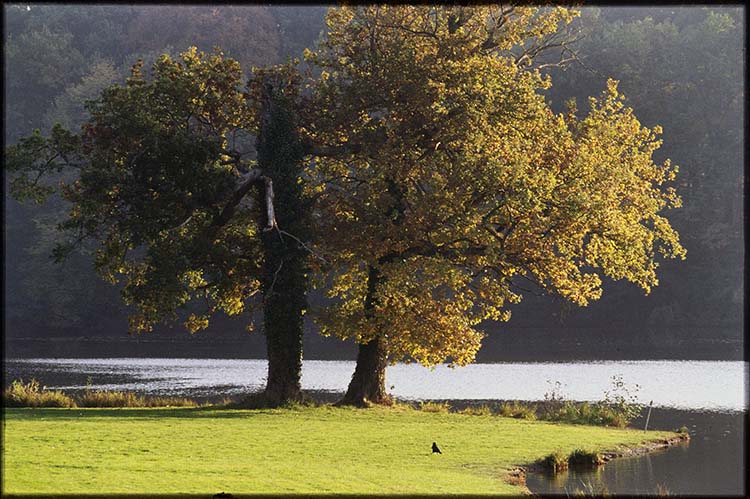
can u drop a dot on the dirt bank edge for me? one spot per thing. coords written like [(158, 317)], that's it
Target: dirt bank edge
[(517, 475)]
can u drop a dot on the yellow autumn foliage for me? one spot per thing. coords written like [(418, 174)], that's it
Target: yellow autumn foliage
[(454, 178)]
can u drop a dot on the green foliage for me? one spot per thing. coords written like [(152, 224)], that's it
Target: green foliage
[(623, 399), (455, 179), (284, 274), (584, 458), (106, 398), (663, 63), (69, 107), (555, 462), (518, 410), (43, 61), (586, 413), (75, 51), (155, 188), (114, 398), (618, 408), (688, 58), (482, 410), (31, 394), (437, 407), (247, 33)]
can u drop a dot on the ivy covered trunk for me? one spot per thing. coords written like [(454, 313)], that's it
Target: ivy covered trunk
[(284, 275), (368, 382)]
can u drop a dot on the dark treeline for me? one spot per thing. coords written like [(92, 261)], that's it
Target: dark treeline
[(681, 68)]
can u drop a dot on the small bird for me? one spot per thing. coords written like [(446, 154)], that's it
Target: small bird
[(224, 495), (435, 448)]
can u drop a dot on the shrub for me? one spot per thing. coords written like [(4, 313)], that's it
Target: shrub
[(555, 462), (517, 410), (623, 400), (553, 400), (169, 402), (598, 413), (441, 407), (20, 394), (618, 408), (402, 406), (31, 394), (106, 398), (482, 410), (114, 398), (584, 458)]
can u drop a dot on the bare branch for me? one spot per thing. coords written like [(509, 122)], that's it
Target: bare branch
[(247, 183), (269, 291), (306, 247), (270, 214)]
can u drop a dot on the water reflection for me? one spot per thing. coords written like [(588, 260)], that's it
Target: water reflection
[(711, 463)]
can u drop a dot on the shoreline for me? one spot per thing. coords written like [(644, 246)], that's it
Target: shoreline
[(517, 475)]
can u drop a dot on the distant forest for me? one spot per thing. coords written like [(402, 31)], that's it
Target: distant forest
[(679, 67)]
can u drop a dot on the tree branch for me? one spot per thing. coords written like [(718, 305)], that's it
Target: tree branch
[(251, 179)]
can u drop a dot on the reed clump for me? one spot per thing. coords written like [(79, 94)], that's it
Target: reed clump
[(482, 410), (517, 410), (439, 407), (115, 398), (32, 394), (555, 462), (584, 458)]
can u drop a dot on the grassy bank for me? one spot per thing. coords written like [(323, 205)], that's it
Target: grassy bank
[(306, 450)]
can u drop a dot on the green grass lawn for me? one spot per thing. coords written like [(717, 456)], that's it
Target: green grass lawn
[(307, 450)]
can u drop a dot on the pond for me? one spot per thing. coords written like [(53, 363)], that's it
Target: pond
[(709, 397)]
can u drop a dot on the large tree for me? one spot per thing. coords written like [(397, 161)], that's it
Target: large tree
[(446, 178), (162, 185)]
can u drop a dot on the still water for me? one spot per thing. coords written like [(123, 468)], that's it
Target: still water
[(704, 385), (709, 397)]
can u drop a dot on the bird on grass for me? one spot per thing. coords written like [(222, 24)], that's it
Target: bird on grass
[(435, 448)]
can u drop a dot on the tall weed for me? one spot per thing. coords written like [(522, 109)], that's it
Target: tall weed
[(441, 407), (31, 394), (517, 410)]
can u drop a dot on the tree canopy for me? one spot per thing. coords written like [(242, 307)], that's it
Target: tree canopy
[(159, 186), (454, 178), (440, 176)]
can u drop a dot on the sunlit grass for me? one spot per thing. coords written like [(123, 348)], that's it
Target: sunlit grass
[(301, 450)]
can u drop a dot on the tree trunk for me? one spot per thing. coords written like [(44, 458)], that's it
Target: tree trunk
[(284, 276), (368, 382)]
